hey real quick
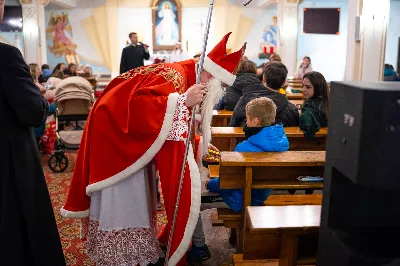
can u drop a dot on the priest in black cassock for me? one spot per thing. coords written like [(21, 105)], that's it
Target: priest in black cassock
[(28, 231), (134, 54)]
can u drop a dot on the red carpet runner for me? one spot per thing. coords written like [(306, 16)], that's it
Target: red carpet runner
[(69, 229)]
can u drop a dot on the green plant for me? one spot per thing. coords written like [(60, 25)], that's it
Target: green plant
[(263, 56)]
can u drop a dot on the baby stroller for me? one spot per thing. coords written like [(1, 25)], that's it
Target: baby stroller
[(73, 99)]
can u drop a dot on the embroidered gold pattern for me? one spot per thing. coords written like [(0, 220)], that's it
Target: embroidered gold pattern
[(168, 73)]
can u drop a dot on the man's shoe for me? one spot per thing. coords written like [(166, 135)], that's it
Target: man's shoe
[(198, 254)]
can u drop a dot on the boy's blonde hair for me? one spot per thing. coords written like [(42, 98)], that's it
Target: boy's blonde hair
[(262, 108)]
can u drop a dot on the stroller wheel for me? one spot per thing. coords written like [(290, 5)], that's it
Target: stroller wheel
[(58, 162)]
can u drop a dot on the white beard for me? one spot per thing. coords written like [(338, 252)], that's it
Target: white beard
[(212, 97)]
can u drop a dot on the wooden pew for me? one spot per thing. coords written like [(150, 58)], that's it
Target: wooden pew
[(213, 171), (273, 200), (221, 118), (226, 139), (230, 219), (276, 170), (296, 85), (287, 233), (295, 96)]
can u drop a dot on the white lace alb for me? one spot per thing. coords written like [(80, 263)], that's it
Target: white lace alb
[(179, 128), (123, 247)]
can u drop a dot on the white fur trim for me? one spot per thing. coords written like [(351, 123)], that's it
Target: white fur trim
[(76, 215), (194, 210), (218, 72), (147, 156)]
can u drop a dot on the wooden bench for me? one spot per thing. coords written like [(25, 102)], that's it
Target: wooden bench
[(273, 200), (226, 138), (295, 96), (268, 170), (296, 85), (221, 118), (287, 233), (213, 171)]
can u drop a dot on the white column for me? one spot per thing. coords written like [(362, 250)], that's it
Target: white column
[(365, 58), (34, 30), (375, 19), (352, 71), (287, 42), (42, 34)]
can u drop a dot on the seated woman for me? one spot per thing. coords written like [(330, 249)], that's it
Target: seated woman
[(314, 113), (303, 68), (246, 81)]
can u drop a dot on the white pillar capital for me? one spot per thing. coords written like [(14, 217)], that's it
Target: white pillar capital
[(34, 2), (34, 30)]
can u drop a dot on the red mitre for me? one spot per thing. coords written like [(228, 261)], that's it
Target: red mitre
[(221, 65)]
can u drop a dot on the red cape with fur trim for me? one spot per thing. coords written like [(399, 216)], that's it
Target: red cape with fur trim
[(128, 128)]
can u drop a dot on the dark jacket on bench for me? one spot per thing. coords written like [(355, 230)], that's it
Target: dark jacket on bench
[(263, 139), (312, 118), (286, 112), (244, 83)]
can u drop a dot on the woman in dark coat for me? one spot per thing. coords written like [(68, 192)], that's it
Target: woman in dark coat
[(314, 113), (246, 80), (28, 231)]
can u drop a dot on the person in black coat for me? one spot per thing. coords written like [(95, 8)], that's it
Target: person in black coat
[(287, 113), (246, 80), (134, 54), (28, 231)]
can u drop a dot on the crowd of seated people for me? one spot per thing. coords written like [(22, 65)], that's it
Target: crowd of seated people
[(49, 79), (269, 80), (61, 71)]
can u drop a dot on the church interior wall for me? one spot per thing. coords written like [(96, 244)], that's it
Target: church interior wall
[(88, 32), (256, 36), (99, 29), (327, 52), (393, 34)]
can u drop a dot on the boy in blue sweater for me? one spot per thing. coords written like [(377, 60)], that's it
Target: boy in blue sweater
[(262, 135)]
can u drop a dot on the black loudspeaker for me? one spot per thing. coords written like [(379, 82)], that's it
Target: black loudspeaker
[(360, 219)]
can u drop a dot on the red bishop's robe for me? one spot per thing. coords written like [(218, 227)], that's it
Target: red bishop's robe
[(140, 119)]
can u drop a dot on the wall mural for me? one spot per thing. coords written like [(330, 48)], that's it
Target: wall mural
[(166, 24), (57, 29), (270, 37), (77, 36)]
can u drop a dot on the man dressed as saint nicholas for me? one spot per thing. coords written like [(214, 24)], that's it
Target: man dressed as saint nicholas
[(139, 125)]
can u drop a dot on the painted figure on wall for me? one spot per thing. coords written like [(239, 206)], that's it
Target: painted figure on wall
[(56, 29), (270, 36), (271, 32), (167, 25)]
